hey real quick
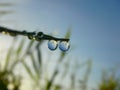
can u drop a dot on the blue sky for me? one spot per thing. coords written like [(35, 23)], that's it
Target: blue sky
[(95, 26)]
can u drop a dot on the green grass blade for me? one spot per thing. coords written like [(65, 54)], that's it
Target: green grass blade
[(39, 54), (28, 70), (50, 83), (34, 63), (18, 51), (9, 54), (68, 34), (57, 87)]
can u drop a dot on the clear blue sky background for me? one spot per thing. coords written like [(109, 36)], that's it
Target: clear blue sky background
[(95, 24)]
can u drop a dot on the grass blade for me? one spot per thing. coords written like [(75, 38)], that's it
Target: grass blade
[(27, 68), (50, 83), (8, 56)]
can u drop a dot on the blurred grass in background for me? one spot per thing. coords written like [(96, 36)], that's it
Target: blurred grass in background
[(30, 58), (110, 80), (38, 72)]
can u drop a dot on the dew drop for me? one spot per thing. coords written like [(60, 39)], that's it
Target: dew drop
[(52, 45), (4, 32), (32, 37), (64, 46)]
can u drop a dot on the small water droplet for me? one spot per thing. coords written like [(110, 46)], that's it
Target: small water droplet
[(52, 45), (64, 46), (4, 32), (32, 37)]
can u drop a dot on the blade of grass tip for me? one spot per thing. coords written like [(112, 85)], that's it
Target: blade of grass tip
[(50, 83), (28, 70), (68, 34), (9, 54)]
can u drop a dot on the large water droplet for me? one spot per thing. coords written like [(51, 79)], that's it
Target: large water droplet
[(52, 45), (64, 46)]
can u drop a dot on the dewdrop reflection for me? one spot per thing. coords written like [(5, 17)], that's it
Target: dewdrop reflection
[(64, 46), (52, 45)]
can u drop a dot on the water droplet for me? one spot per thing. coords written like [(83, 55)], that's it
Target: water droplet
[(31, 37), (4, 32), (64, 46), (52, 45)]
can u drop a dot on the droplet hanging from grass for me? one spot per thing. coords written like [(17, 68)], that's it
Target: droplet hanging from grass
[(4, 32), (32, 37), (52, 45), (64, 46)]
